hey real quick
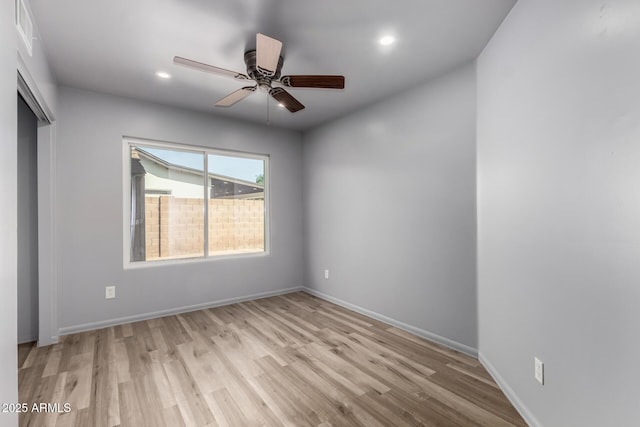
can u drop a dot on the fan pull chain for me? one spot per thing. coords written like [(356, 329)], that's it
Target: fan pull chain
[(268, 119)]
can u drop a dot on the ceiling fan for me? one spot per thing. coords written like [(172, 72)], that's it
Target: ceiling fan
[(263, 67)]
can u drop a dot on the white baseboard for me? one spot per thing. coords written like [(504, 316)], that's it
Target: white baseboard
[(398, 324), (508, 391), (171, 311)]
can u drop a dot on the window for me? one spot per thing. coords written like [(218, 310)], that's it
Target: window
[(189, 202)]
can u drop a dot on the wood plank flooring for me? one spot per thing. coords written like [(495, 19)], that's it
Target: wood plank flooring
[(292, 360)]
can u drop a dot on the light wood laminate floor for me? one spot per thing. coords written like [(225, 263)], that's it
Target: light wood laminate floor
[(292, 360)]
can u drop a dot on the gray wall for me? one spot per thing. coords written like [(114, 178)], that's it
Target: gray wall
[(559, 209), (8, 213), (90, 218), (390, 208), (27, 224)]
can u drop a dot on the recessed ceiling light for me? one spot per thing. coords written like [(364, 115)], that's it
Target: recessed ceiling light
[(163, 75), (387, 40)]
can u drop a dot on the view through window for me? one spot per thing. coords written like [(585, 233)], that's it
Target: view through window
[(194, 203)]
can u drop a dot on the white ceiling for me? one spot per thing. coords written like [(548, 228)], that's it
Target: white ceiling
[(117, 46)]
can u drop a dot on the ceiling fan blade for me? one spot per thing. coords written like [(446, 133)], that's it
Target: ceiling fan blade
[(324, 82), (208, 68), (267, 54), (236, 96), (285, 98)]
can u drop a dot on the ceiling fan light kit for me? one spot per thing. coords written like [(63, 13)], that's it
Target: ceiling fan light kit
[(264, 66)]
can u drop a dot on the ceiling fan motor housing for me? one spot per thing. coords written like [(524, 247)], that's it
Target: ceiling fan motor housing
[(261, 77)]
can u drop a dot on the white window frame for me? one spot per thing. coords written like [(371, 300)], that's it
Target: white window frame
[(127, 142)]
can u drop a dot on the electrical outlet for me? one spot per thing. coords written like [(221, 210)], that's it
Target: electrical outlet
[(539, 370), (326, 274), (109, 292)]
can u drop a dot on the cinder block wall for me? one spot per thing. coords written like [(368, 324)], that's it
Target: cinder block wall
[(236, 225), (175, 226)]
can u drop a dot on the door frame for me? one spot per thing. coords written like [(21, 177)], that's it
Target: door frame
[(47, 258)]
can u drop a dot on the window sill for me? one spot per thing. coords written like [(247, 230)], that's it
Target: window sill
[(128, 265)]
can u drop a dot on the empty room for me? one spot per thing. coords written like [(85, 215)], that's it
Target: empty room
[(284, 213)]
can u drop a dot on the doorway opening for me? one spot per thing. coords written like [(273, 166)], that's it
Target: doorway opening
[(27, 206), (35, 205)]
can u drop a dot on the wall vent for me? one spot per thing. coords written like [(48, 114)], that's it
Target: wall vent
[(24, 25)]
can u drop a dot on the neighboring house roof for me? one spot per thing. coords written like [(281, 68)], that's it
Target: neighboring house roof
[(221, 186)]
